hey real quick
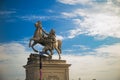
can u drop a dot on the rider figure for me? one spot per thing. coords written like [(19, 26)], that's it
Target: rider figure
[(52, 38)]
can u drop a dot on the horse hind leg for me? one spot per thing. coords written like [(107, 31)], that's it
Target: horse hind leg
[(58, 51), (51, 53), (59, 48), (59, 56), (59, 45)]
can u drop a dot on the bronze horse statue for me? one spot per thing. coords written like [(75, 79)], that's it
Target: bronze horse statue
[(41, 37)]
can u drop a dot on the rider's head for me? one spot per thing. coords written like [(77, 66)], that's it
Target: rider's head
[(52, 31)]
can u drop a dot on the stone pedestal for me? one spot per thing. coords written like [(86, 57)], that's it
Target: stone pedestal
[(51, 69)]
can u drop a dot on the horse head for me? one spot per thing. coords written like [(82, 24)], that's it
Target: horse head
[(38, 24)]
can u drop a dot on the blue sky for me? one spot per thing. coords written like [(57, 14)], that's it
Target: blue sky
[(89, 29)]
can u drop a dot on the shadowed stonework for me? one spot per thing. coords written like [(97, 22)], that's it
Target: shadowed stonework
[(51, 69)]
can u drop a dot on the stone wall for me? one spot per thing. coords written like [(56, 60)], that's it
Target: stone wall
[(51, 69)]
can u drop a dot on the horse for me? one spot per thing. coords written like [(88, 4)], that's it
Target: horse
[(39, 38), (56, 45)]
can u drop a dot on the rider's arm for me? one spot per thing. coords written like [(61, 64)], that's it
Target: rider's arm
[(45, 32)]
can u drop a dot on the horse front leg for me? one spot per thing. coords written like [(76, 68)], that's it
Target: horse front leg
[(30, 42), (45, 50), (51, 53), (34, 39), (33, 47)]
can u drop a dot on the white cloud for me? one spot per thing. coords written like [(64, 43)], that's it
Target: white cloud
[(2, 55), (39, 17), (82, 47), (100, 25), (110, 50), (59, 37), (7, 12), (68, 51), (12, 57), (74, 32), (34, 17), (68, 15), (76, 13), (99, 21), (98, 66), (50, 11), (74, 2), (90, 67)]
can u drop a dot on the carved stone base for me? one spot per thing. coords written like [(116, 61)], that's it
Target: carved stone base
[(51, 69)]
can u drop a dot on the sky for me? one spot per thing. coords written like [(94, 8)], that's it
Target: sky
[(89, 30)]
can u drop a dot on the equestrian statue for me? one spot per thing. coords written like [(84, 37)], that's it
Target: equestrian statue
[(47, 40)]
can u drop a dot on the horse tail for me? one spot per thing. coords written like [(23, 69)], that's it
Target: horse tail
[(59, 45)]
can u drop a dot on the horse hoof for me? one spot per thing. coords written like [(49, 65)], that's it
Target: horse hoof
[(50, 57)]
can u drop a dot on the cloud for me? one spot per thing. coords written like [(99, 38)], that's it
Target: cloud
[(74, 2), (110, 50), (68, 15), (50, 11), (87, 2), (7, 15), (7, 12), (39, 17), (59, 37), (100, 25), (33, 17), (100, 21), (104, 62), (3, 56), (90, 67), (68, 51), (82, 47), (12, 57)]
